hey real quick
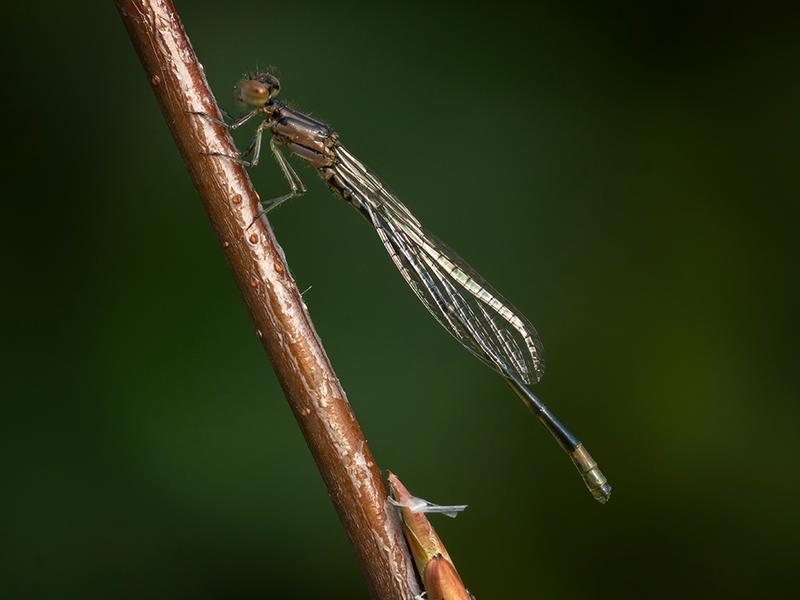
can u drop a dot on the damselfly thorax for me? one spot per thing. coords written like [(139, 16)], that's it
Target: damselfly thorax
[(303, 136)]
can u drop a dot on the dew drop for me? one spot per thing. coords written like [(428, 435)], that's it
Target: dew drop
[(253, 238), (155, 80), (237, 199)]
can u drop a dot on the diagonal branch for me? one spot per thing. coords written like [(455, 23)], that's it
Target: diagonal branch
[(260, 270)]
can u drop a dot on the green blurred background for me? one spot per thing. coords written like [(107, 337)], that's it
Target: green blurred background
[(626, 175)]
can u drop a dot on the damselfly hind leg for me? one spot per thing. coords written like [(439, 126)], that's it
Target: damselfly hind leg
[(296, 185)]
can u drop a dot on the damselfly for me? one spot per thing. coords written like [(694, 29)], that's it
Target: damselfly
[(452, 291)]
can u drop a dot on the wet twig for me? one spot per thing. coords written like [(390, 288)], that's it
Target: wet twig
[(282, 323)]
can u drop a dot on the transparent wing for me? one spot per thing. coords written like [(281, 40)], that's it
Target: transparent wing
[(452, 291)]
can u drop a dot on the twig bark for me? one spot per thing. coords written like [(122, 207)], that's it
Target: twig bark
[(282, 322)]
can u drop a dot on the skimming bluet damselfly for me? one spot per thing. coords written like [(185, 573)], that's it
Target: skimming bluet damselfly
[(453, 292)]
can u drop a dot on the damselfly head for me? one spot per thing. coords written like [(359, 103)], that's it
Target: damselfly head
[(256, 89)]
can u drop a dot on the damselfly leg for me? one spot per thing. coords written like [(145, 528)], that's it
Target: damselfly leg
[(235, 125), (232, 126), (296, 185)]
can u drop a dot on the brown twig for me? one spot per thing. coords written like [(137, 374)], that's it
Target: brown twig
[(308, 380)]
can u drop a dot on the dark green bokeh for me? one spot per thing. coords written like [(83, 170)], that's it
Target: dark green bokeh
[(627, 177)]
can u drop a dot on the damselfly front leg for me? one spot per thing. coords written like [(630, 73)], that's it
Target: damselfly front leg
[(232, 126), (235, 125)]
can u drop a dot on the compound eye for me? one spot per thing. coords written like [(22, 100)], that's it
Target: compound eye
[(272, 83), (254, 93)]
